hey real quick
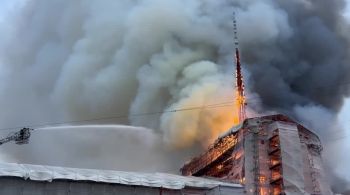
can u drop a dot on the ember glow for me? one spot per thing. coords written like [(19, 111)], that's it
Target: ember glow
[(239, 108)]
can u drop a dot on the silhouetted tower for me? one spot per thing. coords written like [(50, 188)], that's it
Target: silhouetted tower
[(240, 96)]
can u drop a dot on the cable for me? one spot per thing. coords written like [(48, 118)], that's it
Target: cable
[(209, 106), (143, 114)]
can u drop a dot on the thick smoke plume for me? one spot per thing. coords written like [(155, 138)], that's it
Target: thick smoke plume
[(64, 60)]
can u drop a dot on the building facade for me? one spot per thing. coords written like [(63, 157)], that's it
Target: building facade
[(268, 155)]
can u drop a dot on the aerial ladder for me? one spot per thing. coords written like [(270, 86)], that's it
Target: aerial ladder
[(20, 137)]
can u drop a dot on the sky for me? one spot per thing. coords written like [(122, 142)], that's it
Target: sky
[(344, 117), (7, 5)]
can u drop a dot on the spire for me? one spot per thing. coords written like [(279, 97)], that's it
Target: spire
[(240, 96)]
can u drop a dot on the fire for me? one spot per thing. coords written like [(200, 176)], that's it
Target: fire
[(239, 107), (201, 126), (220, 120), (205, 125)]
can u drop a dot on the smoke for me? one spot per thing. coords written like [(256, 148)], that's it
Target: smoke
[(74, 60), (80, 146)]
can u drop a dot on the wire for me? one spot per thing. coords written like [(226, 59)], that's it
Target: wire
[(209, 106), (124, 116)]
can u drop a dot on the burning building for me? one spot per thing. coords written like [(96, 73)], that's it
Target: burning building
[(268, 155)]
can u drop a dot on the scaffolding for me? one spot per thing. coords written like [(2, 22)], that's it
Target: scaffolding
[(276, 177), (221, 150), (269, 155)]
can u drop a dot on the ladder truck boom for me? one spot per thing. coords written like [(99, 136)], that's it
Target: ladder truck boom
[(20, 137)]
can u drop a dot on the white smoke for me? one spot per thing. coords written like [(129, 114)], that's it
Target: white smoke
[(94, 146), (64, 60)]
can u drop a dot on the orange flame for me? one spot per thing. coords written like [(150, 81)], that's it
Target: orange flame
[(236, 118), (239, 105), (205, 125)]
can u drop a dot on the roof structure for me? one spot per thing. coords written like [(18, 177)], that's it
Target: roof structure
[(157, 180)]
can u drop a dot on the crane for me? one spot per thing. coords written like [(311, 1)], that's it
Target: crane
[(20, 137)]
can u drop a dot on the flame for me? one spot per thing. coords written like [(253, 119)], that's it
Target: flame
[(225, 118), (204, 125), (239, 105), (242, 181)]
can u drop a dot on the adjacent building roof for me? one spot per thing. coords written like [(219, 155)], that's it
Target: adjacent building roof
[(50, 173)]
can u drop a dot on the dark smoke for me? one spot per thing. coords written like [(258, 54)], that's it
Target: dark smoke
[(310, 65), (63, 60)]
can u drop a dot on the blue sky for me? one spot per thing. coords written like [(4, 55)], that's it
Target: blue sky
[(6, 5)]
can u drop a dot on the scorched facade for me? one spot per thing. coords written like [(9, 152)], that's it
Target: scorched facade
[(268, 155)]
